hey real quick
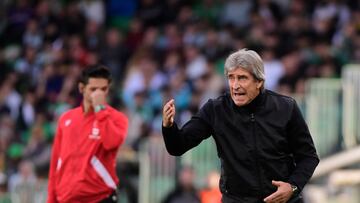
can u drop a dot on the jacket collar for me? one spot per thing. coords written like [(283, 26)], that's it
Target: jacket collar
[(258, 102)]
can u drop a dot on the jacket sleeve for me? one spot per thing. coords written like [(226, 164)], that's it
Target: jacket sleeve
[(53, 165), (113, 128), (303, 149), (198, 128)]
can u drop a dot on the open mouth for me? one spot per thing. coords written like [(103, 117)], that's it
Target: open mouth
[(240, 94)]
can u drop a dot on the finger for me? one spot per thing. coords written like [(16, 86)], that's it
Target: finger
[(170, 102), (166, 108), (276, 183), (274, 200), (170, 106), (171, 116), (271, 197), (170, 110), (278, 199)]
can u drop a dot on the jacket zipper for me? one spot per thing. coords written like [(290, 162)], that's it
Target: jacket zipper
[(252, 119)]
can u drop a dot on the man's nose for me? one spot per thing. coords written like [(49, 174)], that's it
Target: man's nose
[(237, 84)]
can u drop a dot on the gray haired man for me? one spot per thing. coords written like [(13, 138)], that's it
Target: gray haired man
[(264, 145)]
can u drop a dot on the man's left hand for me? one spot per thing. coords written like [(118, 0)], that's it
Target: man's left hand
[(282, 194)]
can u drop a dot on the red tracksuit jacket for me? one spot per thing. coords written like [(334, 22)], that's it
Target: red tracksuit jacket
[(82, 167)]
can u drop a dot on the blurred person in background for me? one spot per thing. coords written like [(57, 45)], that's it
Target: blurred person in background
[(21, 183), (27, 112), (10, 99), (185, 190), (38, 150), (114, 53), (82, 167), (266, 150), (211, 194), (17, 16)]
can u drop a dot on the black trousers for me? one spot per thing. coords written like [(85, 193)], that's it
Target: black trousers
[(232, 199), (110, 199)]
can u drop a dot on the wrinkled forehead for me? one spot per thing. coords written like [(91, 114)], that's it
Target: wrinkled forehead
[(238, 70)]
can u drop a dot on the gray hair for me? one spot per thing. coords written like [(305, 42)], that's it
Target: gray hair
[(248, 60)]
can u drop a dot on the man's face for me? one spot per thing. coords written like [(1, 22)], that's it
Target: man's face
[(94, 84), (243, 86)]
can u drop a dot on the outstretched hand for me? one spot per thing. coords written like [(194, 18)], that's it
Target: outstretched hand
[(168, 113), (282, 194)]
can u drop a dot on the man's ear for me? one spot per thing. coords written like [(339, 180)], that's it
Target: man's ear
[(81, 87), (260, 84)]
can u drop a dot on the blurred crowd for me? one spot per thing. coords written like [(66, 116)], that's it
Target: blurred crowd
[(156, 50)]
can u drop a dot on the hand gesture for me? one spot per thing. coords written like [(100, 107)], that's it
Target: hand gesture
[(168, 113), (282, 194), (98, 98)]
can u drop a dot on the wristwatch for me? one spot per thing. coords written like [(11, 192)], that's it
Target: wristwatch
[(294, 189), (99, 108)]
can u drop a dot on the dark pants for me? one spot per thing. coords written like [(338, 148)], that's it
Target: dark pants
[(232, 199), (110, 199)]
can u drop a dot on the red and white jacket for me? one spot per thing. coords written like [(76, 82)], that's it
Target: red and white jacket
[(82, 167)]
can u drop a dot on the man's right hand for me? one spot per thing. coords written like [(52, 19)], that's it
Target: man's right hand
[(98, 97), (168, 114)]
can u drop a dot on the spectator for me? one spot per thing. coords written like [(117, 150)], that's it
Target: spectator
[(211, 194), (185, 190), (32, 36), (93, 10), (114, 54)]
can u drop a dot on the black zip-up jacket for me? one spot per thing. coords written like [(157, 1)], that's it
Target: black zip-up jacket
[(265, 140)]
